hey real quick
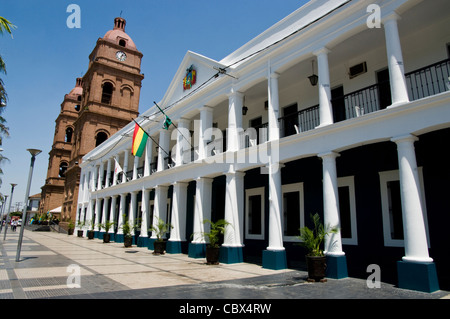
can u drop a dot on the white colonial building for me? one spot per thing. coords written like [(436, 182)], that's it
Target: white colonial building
[(341, 108)]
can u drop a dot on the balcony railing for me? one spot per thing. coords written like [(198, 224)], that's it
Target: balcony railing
[(428, 81), (421, 83)]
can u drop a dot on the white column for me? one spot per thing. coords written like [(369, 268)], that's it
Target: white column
[(275, 205), (108, 173), (98, 213), (133, 211), (125, 166), (94, 178), (123, 198), (148, 157), (333, 242), (105, 209), (399, 90), (160, 206), (183, 141), (135, 167), (179, 204), (274, 106), (415, 238), (206, 121), (234, 209), (164, 143), (113, 212), (117, 158), (325, 107), (89, 214), (145, 212), (235, 104), (100, 175), (202, 209)]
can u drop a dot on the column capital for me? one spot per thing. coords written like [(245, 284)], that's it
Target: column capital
[(323, 50), (205, 179), (405, 138), (235, 93), (274, 75), (330, 154), (180, 184), (392, 16)]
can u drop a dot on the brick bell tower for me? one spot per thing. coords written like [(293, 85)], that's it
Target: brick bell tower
[(52, 193), (110, 100)]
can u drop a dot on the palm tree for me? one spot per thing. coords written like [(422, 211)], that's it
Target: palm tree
[(5, 25)]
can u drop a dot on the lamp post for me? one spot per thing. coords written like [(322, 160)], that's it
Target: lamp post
[(3, 210), (9, 209), (33, 153)]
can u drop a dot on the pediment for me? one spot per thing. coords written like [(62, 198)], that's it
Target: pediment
[(203, 67)]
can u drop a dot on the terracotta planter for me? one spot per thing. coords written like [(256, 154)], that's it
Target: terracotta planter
[(70, 231), (212, 255), (80, 233), (106, 237), (127, 241), (316, 268), (159, 247)]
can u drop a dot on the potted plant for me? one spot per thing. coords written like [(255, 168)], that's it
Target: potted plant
[(312, 240), (70, 227), (80, 230), (107, 226), (213, 248), (126, 229), (91, 232), (160, 229)]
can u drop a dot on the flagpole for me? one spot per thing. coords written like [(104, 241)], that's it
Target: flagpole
[(173, 125)]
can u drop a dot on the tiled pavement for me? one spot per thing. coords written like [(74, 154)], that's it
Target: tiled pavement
[(49, 262)]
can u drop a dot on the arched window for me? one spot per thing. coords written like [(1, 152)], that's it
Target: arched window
[(69, 133), (100, 138), (62, 169), (122, 43), (107, 93)]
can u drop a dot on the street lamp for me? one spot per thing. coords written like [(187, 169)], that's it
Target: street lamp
[(9, 209), (3, 210), (33, 153)]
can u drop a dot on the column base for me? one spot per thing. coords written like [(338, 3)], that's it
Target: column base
[(175, 247), (197, 250), (142, 241), (417, 276), (337, 267), (151, 242), (99, 234), (231, 255), (118, 238), (274, 259)]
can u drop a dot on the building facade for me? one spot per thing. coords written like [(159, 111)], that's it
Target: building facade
[(103, 102), (341, 108)]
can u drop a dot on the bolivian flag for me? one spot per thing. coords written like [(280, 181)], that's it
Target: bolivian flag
[(139, 141)]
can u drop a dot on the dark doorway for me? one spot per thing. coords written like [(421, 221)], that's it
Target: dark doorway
[(338, 103)]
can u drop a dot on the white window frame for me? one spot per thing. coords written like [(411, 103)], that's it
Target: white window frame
[(394, 175), (248, 193), (349, 181), (291, 188)]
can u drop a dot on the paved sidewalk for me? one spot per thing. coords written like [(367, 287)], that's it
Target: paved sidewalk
[(49, 262)]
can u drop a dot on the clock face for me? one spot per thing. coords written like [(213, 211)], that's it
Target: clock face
[(121, 56)]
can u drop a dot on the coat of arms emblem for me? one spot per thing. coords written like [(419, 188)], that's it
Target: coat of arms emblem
[(190, 79)]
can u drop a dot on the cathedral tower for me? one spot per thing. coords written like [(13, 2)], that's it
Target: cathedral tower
[(59, 156), (110, 100)]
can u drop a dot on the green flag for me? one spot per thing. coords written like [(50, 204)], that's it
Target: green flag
[(167, 123)]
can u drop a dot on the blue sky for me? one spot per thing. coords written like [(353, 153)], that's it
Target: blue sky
[(45, 57)]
